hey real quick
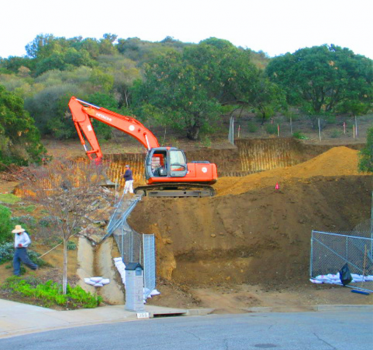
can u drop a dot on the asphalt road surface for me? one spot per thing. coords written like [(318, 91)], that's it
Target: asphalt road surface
[(352, 330)]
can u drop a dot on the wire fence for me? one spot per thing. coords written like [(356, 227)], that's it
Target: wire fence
[(133, 246), (331, 251), (314, 127)]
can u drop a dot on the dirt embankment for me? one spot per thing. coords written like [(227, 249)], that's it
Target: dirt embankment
[(250, 245), (251, 232)]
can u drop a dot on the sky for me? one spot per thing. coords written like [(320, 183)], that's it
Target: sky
[(272, 26)]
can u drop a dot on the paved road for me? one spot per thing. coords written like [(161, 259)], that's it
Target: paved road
[(340, 330)]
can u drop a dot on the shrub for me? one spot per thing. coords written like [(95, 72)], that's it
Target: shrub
[(50, 293), (206, 142), (366, 154), (271, 129), (298, 135), (6, 252), (5, 224), (29, 208), (335, 134), (252, 127), (27, 221), (71, 245)]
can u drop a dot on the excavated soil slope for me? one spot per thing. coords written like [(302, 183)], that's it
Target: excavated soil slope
[(252, 233)]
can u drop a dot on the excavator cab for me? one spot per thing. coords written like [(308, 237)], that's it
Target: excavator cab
[(165, 162)]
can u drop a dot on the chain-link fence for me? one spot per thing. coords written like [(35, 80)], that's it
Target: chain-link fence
[(331, 251), (133, 246)]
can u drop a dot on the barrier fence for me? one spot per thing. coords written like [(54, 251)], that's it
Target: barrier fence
[(133, 246), (331, 251)]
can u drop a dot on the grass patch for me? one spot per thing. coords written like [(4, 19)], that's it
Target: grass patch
[(9, 198), (29, 209), (48, 294)]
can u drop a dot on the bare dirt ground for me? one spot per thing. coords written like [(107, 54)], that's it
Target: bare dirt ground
[(250, 245)]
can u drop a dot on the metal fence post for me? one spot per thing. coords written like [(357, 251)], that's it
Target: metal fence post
[(231, 130), (311, 257)]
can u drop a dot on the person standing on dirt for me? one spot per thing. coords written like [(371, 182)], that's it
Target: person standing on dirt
[(128, 187), (21, 242)]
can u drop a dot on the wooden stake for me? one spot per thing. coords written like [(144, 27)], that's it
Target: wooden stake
[(365, 260)]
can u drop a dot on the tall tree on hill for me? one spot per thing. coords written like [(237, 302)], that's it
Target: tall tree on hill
[(173, 91), (190, 88), (325, 79)]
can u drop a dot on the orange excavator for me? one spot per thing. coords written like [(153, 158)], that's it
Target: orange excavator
[(166, 169)]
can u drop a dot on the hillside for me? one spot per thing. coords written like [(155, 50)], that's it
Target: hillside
[(250, 244)]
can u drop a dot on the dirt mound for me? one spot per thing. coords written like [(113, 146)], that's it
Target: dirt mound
[(338, 161)]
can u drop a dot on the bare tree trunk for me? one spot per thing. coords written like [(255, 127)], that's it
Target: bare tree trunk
[(64, 278), (193, 132)]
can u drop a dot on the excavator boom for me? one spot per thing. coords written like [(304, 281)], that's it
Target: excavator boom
[(82, 112)]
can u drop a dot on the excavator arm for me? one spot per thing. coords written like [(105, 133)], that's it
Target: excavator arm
[(82, 112)]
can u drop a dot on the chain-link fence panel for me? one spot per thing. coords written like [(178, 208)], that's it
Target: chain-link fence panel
[(149, 263), (331, 251), (129, 244)]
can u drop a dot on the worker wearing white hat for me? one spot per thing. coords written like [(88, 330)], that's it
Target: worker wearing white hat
[(21, 242)]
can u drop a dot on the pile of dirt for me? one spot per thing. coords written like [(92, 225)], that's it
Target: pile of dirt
[(338, 161)]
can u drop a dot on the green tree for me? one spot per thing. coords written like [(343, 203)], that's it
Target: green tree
[(41, 46), (189, 88), (266, 98), (47, 110), (101, 81), (324, 79), (177, 95), (13, 64), (19, 138), (229, 76), (366, 154), (92, 46)]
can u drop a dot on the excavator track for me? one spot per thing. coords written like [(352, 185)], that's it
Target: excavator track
[(175, 190)]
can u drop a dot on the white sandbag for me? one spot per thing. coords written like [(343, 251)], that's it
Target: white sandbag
[(98, 285), (90, 282), (96, 279), (105, 281), (314, 280)]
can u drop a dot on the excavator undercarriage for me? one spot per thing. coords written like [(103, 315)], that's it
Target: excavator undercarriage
[(175, 190)]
